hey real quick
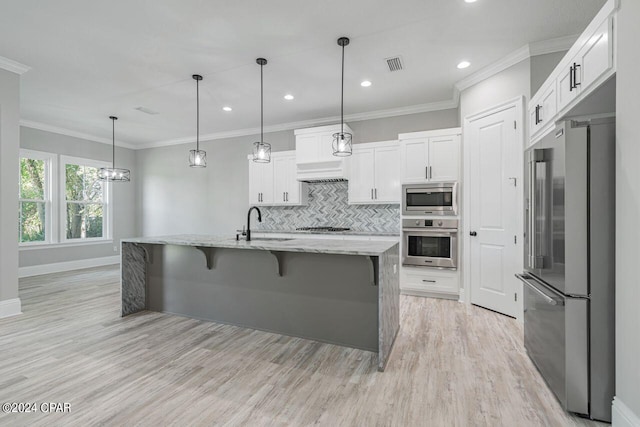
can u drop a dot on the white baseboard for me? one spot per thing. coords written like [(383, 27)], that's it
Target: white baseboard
[(36, 270), (622, 415), (10, 307)]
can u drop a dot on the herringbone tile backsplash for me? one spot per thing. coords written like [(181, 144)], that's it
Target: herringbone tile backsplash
[(328, 207)]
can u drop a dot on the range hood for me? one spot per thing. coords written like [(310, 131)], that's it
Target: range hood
[(315, 161)]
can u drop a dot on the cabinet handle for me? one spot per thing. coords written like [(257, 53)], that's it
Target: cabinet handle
[(576, 83), (372, 194), (287, 196), (426, 172), (430, 172), (571, 78), (375, 190), (284, 197), (428, 281)]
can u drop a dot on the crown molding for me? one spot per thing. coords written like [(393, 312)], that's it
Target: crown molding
[(67, 132), (500, 65), (559, 44), (13, 66), (370, 115)]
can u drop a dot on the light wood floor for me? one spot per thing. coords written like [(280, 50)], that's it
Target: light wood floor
[(453, 365)]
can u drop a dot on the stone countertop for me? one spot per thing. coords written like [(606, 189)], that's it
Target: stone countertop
[(332, 233), (326, 246)]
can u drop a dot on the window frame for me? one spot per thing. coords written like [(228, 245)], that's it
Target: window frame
[(107, 209), (50, 165)]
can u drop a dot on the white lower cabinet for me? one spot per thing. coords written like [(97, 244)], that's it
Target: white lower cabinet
[(259, 234), (427, 282)]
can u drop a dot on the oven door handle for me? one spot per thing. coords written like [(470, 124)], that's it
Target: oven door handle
[(551, 301), (434, 232)]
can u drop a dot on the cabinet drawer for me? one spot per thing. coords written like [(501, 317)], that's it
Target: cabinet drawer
[(429, 281)]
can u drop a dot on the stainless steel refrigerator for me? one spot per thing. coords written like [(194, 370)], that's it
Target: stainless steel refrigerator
[(569, 278)]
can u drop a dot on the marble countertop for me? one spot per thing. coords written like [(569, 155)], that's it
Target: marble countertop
[(324, 246), (337, 233)]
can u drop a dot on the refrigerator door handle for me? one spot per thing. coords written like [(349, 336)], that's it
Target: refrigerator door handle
[(551, 301)]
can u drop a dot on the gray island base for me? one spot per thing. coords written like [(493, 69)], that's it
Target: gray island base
[(335, 291)]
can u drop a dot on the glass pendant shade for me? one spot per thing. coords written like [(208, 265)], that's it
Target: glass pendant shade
[(113, 173), (342, 146), (197, 158), (261, 152)]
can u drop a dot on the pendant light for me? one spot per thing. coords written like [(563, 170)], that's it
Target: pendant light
[(113, 173), (197, 157), (261, 149), (342, 146)]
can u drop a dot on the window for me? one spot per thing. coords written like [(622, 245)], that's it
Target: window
[(35, 211), (85, 203)]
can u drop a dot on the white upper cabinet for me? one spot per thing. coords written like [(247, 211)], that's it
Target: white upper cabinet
[(430, 156), (444, 158), (275, 183), (260, 183), (589, 63), (374, 176)]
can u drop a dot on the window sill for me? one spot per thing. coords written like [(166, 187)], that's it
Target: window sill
[(37, 246)]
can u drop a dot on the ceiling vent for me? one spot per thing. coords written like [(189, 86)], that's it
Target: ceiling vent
[(394, 63)]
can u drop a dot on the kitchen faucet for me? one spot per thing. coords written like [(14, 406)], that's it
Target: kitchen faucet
[(248, 232)]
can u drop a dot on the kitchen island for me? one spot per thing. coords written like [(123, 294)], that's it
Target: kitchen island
[(334, 291)]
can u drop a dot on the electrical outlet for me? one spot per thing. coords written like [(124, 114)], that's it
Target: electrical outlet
[(115, 248)]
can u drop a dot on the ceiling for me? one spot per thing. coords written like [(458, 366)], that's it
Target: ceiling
[(90, 60)]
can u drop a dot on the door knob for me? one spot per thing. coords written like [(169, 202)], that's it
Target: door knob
[(473, 234)]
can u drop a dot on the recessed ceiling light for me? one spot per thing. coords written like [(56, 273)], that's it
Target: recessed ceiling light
[(227, 108), (365, 83), (463, 64), (288, 97), (470, 1)]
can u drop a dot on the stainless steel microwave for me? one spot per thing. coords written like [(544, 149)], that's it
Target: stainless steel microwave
[(437, 198)]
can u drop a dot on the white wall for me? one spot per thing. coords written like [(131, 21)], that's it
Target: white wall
[(628, 213), (174, 198), (124, 196), (541, 68), (9, 152)]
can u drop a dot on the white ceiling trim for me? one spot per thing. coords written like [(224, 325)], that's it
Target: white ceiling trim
[(67, 132), (402, 111), (525, 52), (13, 66)]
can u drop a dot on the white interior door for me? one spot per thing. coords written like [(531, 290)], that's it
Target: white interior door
[(494, 161)]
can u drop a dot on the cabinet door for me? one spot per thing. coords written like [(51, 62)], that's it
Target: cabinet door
[(387, 174), (361, 177), (255, 178), (267, 183), (281, 177), (443, 158), (596, 56), (307, 148), (549, 104), (414, 160), (567, 93)]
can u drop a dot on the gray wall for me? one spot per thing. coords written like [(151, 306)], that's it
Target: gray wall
[(506, 85), (541, 68), (9, 148), (628, 208), (124, 195), (174, 198)]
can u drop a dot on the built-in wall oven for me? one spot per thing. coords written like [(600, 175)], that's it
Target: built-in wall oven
[(430, 243), (434, 198)]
